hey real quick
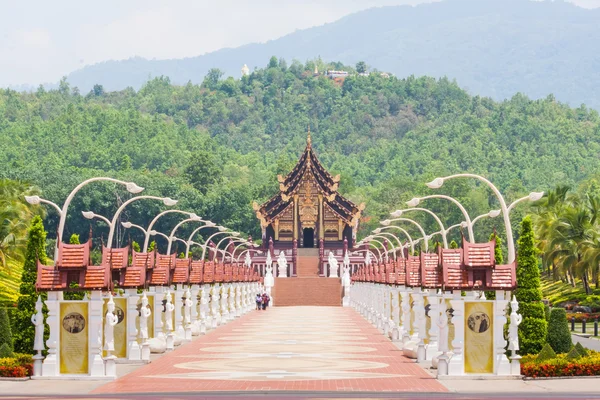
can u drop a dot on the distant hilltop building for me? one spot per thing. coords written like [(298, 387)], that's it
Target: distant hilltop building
[(245, 70), (337, 74)]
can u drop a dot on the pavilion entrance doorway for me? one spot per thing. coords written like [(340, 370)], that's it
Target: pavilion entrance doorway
[(308, 238)]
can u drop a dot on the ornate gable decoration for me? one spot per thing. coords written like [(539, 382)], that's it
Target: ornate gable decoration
[(308, 179)]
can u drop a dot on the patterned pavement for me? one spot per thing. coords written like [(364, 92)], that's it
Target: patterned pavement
[(315, 349)]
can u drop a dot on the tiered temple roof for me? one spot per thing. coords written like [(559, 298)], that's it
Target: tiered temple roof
[(308, 167)]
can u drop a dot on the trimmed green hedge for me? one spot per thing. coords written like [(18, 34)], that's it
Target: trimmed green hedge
[(559, 337)]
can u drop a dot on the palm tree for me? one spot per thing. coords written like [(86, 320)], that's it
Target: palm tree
[(15, 215)]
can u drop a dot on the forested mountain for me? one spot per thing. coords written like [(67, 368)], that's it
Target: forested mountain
[(218, 146), (491, 47)]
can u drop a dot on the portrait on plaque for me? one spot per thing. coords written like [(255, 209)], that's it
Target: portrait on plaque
[(73, 322)]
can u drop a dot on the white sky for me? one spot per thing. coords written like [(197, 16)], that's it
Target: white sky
[(42, 40)]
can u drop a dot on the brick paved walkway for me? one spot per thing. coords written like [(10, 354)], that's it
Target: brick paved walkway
[(287, 348)]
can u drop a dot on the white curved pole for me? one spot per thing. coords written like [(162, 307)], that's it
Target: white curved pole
[(208, 241), (136, 226), (131, 187), (100, 217), (410, 240), (225, 238), (417, 200), (389, 241), (434, 215), (242, 241), (198, 230), (415, 223), (244, 252), (37, 200), (438, 182), (113, 222), (151, 225), (376, 248), (195, 219), (397, 239)]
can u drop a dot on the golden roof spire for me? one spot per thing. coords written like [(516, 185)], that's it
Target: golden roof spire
[(308, 139)]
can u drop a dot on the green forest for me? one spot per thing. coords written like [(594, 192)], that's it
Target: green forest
[(218, 146)]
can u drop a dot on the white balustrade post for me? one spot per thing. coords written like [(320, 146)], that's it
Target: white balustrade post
[(37, 319), (443, 331), (204, 311), (421, 323), (405, 308), (50, 366), (395, 314), (168, 324), (159, 311), (513, 337), (95, 331), (195, 312), (187, 315), (215, 305), (434, 303), (224, 304), (456, 365), (178, 302), (133, 347), (502, 364)]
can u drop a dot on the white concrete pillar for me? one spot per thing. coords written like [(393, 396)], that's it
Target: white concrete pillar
[(95, 331)]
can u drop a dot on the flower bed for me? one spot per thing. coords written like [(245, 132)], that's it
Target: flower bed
[(561, 366), (589, 317), (18, 366)]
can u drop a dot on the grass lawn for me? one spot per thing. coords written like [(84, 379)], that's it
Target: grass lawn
[(557, 291)]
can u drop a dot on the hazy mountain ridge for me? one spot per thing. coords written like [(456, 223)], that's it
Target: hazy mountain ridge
[(492, 48)]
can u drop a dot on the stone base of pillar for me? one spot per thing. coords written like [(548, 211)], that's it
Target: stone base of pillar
[(134, 354), (188, 333), (145, 356), (442, 365), (37, 364), (110, 366), (97, 367), (202, 328), (50, 366), (515, 365), (170, 341)]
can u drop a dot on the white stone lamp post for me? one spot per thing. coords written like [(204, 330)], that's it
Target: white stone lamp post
[(195, 218), (404, 231), (438, 182), (130, 186), (398, 213), (417, 200), (155, 219), (387, 222), (208, 225), (232, 235)]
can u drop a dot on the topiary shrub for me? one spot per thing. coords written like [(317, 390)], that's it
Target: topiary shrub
[(6, 339), (74, 239), (547, 312), (573, 354), (559, 337), (546, 354), (5, 351), (581, 350), (533, 329), (453, 245)]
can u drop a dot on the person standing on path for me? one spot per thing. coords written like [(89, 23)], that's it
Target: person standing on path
[(258, 301)]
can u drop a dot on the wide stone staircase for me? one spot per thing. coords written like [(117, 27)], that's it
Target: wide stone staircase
[(308, 288)]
